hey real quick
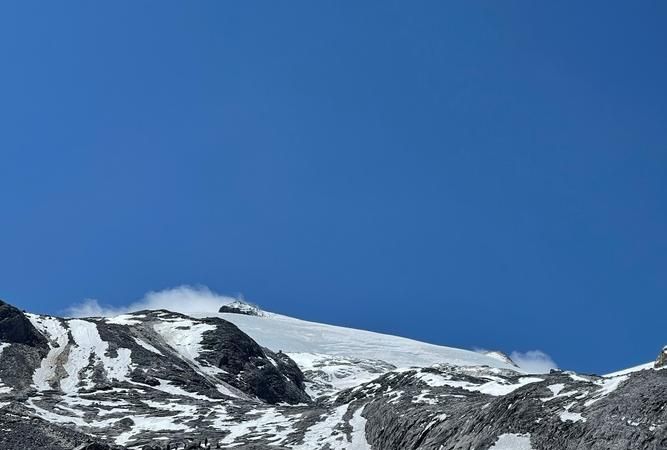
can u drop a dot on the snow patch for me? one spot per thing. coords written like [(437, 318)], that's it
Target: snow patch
[(185, 337), (607, 386), (4, 389), (323, 432), (647, 366), (150, 423), (567, 416), (58, 338), (125, 319), (495, 387), (511, 441), (556, 390), (268, 423), (358, 424), (147, 346), (88, 345)]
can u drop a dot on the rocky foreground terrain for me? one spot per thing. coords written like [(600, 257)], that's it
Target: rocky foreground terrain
[(158, 380)]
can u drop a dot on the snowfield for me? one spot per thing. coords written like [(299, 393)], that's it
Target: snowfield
[(291, 335)]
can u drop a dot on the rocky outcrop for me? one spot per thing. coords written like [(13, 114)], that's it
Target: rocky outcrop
[(15, 328), (452, 409), (241, 307), (661, 361), (22, 348), (247, 366)]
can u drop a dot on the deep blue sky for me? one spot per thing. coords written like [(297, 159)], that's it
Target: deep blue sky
[(477, 174)]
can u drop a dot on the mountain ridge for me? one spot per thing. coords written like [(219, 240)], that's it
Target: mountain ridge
[(155, 378)]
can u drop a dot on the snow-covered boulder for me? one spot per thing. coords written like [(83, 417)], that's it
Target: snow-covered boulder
[(241, 307)]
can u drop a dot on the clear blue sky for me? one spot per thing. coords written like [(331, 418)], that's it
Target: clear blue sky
[(477, 174)]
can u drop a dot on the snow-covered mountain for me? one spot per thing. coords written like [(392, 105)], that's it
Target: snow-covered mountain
[(291, 335), (249, 379)]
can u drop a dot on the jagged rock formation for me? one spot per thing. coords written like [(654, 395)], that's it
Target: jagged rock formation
[(661, 361), (154, 379)]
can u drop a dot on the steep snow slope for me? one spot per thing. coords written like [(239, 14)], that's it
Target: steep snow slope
[(282, 333)]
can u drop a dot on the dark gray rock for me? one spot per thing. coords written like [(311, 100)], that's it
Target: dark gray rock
[(241, 307), (252, 369), (16, 328), (21, 431), (632, 416), (661, 361)]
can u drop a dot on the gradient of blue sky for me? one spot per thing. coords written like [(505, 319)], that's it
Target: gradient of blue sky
[(477, 174)]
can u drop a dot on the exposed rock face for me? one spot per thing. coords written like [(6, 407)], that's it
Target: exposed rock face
[(272, 377), (240, 307), (558, 411), (662, 358), (16, 328), (22, 348)]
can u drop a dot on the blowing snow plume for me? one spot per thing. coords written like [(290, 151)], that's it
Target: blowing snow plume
[(183, 299), (534, 361)]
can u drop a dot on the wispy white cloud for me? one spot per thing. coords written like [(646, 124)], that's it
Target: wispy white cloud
[(533, 361), (183, 299)]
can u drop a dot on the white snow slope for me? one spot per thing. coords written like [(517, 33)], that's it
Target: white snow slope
[(278, 332)]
